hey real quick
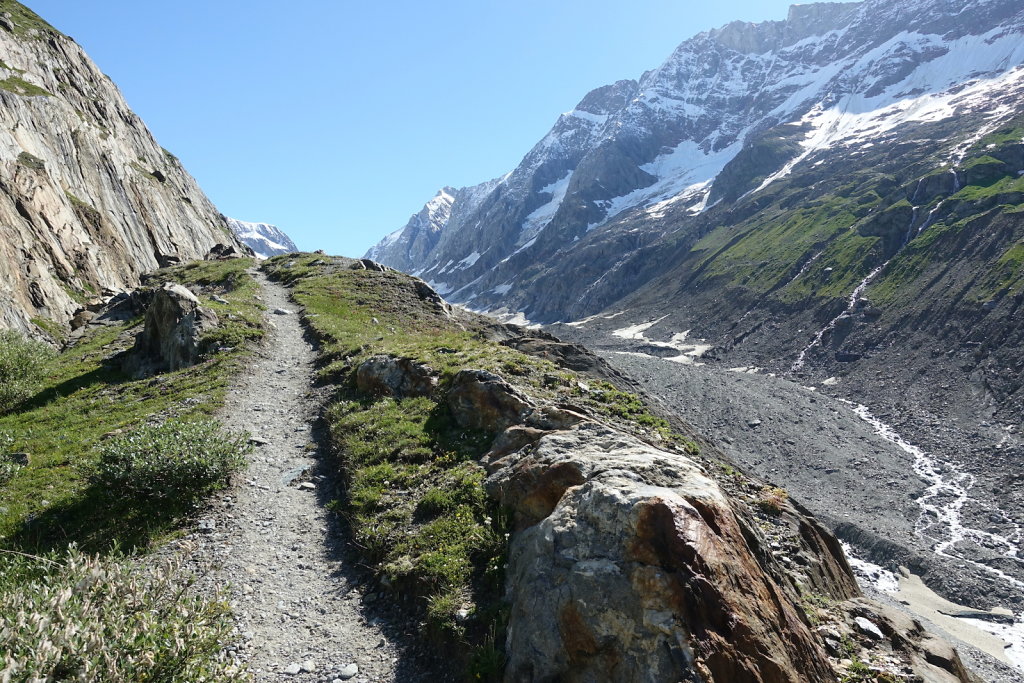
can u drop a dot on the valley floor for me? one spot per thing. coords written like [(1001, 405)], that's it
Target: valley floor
[(833, 461), (304, 609)]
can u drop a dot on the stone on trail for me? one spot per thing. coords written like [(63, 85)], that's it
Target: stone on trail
[(349, 671), (293, 669)]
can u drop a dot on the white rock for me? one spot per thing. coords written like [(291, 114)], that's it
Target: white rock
[(309, 666), (868, 628), (293, 669), (349, 671)]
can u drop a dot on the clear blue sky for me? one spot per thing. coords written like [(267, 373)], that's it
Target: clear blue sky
[(337, 120)]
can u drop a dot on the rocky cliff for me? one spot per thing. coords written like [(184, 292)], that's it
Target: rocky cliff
[(88, 199)]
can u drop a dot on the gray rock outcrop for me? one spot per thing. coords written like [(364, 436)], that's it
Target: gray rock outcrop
[(482, 400), (398, 377), (171, 339), (88, 199), (638, 569)]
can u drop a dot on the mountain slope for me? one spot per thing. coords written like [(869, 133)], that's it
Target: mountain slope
[(728, 113), (88, 199), (835, 199), (265, 240)]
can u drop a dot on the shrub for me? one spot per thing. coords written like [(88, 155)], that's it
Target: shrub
[(176, 461), (23, 365), (92, 619), (772, 499)]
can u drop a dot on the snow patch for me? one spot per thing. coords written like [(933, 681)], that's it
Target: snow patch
[(636, 331)]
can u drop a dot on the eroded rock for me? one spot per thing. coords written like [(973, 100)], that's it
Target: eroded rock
[(637, 568), (482, 400), (398, 377), (174, 325)]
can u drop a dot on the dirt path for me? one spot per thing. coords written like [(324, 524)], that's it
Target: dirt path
[(304, 609)]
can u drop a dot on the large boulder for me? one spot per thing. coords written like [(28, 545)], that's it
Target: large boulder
[(482, 400), (397, 377), (631, 565), (175, 323)]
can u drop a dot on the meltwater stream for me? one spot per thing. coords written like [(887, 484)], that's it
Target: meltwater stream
[(941, 523)]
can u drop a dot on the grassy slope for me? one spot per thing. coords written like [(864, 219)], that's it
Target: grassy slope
[(49, 503), (415, 497), (763, 254)]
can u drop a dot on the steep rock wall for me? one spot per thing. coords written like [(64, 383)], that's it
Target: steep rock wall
[(88, 199)]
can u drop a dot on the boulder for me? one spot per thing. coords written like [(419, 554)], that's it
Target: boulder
[(398, 377), (171, 338), (482, 400), (631, 565), (222, 252), (367, 264)]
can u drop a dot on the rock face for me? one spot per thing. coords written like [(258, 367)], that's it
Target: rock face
[(481, 400), (174, 325), (638, 570), (398, 377), (88, 199), (266, 240)]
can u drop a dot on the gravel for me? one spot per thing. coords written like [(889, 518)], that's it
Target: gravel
[(286, 562)]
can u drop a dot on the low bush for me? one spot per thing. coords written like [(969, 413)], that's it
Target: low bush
[(86, 618), (177, 461), (23, 364)]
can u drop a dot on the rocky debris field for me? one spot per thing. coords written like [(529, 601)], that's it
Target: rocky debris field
[(833, 461), (305, 609)]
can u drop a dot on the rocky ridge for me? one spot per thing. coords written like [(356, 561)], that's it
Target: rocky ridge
[(650, 556), (88, 199)]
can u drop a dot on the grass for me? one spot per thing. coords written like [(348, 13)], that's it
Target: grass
[(85, 397), (414, 487), (764, 256), (19, 86), (24, 19), (31, 161)]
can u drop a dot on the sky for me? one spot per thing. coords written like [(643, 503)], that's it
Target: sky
[(337, 120)]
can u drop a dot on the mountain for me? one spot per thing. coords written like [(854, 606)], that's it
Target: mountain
[(834, 200), (728, 118), (88, 199), (265, 240)]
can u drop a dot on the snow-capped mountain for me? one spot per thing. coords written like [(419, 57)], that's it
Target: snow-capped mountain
[(730, 112), (834, 199), (265, 240)]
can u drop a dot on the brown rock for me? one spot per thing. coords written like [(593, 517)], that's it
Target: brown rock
[(638, 569), (482, 400), (398, 377)]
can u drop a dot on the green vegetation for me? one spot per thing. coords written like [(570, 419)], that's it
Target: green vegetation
[(414, 487), (77, 617), (85, 398), (22, 368), (764, 256), (24, 19), (174, 463), (112, 463), (31, 161), (19, 86)]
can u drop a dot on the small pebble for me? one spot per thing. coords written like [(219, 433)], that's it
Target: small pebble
[(293, 669)]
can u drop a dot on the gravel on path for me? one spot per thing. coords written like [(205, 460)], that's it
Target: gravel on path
[(305, 610)]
